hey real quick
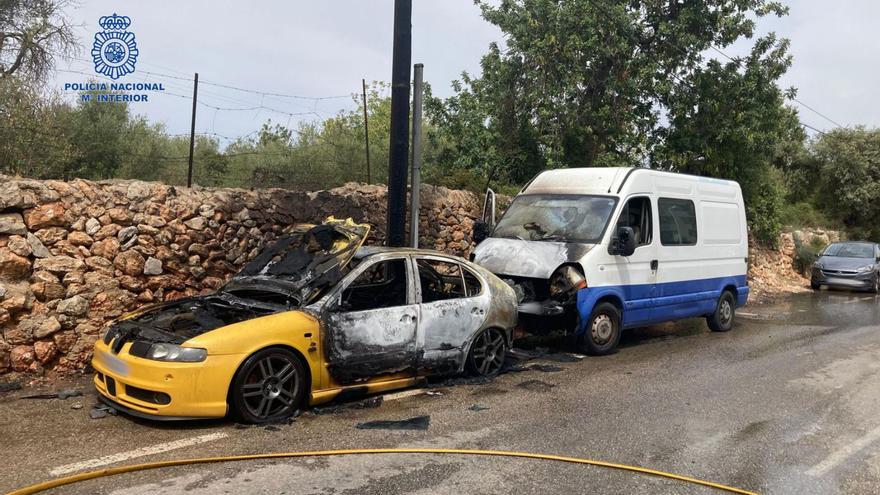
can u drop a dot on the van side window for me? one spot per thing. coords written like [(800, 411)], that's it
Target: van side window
[(636, 214), (678, 222)]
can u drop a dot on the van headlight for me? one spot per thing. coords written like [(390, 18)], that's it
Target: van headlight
[(566, 280), (172, 352)]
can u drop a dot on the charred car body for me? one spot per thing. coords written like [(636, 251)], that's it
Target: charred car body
[(598, 250), (313, 317)]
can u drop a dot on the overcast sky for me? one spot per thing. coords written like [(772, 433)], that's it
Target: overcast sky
[(324, 48)]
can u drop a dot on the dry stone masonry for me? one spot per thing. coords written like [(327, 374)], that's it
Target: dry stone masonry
[(76, 255)]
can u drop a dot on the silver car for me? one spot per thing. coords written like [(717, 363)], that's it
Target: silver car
[(848, 265)]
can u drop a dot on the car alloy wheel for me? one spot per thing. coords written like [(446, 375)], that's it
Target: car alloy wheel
[(269, 386), (488, 352)]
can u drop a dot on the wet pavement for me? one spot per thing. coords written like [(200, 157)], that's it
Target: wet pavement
[(787, 402)]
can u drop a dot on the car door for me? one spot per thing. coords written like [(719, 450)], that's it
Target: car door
[(371, 324), (451, 311), (637, 273)]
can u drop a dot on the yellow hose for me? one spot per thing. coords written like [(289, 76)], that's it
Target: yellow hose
[(46, 485)]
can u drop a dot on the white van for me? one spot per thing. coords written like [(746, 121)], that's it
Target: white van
[(604, 249)]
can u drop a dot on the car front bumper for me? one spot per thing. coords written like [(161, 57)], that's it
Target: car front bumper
[(844, 280), (163, 390)]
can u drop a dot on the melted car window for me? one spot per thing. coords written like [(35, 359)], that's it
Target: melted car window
[(556, 217), (381, 285), (440, 280)]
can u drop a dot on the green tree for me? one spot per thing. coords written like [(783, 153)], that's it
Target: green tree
[(849, 178), (729, 120), (32, 34)]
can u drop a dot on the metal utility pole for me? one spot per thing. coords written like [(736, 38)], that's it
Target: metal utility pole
[(192, 132), (416, 156), (366, 129), (399, 146)]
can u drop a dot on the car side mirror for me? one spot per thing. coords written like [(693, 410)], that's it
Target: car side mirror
[(624, 243), (481, 231)]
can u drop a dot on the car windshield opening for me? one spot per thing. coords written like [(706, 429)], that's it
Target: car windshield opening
[(556, 217), (850, 250)]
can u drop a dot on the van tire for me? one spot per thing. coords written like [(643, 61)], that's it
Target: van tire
[(721, 320), (597, 338)]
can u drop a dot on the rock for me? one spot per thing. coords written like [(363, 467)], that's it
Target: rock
[(92, 226), (64, 340), (138, 191), (13, 266), (129, 263), (51, 235), (37, 247), (19, 245), (107, 248), (10, 196), (152, 266), (120, 216), (100, 264), (18, 298), (47, 291), (12, 223), (107, 231), (127, 234), (75, 306), (206, 211), (21, 357), (196, 223), (42, 216), (41, 325), (59, 264), (79, 238), (45, 351)]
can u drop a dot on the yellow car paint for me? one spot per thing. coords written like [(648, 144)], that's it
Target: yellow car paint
[(200, 389)]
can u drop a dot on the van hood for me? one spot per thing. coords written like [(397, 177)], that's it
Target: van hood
[(531, 259)]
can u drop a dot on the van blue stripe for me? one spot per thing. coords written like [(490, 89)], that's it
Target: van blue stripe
[(645, 304)]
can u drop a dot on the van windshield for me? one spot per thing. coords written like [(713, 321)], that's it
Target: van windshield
[(556, 217)]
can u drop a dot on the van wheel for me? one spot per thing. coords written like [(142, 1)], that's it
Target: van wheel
[(269, 386), (722, 319), (602, 332)]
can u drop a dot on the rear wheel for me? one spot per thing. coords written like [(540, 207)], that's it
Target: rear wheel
[(722, 319), (815, 285), (488, 352), (269, 386), (602, 333)]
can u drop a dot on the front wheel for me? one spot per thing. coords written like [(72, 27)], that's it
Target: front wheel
[(269, 386), (602, 333), (877, 284), (487, 354), (815, 285), (722, 319)]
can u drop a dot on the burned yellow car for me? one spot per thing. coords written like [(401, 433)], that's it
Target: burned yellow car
[(315, 316)]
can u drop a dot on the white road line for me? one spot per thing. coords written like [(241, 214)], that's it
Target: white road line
[(131, 454), (833, 460)]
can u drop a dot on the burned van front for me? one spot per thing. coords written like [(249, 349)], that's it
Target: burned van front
[(540, 245)]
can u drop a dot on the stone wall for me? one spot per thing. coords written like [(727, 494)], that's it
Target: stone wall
[(76, 255)]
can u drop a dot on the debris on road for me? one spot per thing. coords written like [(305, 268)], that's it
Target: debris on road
[(371, 403), (546, 368), (416, 423), (536, 385), (76, 406), (478, 408), (432, 393), (61, 394), (101, 411), (9, 386)]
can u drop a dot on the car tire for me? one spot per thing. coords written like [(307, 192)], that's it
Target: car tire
[(602, 333), (721, 320), (877, 284), (269, 386), (487, 354), (815, 285)]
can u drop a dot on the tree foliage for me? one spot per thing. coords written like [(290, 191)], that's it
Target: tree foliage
[(32, 34)]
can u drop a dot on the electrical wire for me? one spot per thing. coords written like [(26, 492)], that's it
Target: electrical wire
[(67, 480)]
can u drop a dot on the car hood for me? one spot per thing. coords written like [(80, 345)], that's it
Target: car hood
[(532, 259), (843, 263)]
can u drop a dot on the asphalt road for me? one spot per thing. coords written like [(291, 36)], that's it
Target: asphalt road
[(787, 402)]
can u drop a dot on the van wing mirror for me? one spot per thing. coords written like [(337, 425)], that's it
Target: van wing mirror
[(623, 243)]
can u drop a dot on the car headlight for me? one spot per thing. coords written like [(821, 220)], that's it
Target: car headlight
[(172, 352), (865, 269), (566, 280)]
